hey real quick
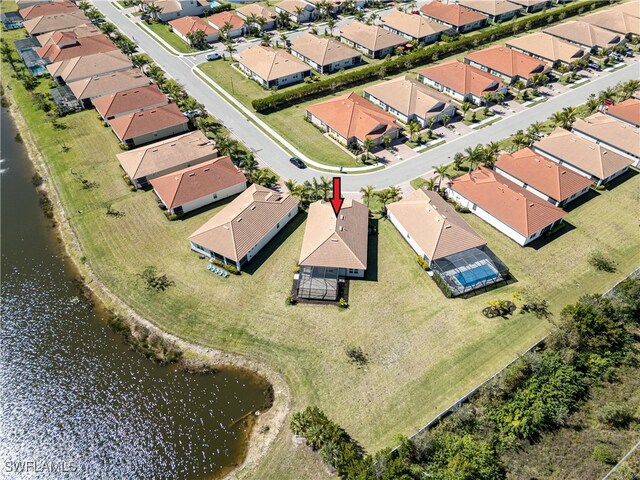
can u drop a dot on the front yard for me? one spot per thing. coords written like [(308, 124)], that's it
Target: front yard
[(163, 30)]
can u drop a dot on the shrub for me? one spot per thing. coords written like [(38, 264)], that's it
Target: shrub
[(616, 416), (600, 261), (127, 179), (356, 355), (232, 269), (296, 269), (422, 262), (443, 286), (342, 303), (155, 281), (290, 300), (602, 454)]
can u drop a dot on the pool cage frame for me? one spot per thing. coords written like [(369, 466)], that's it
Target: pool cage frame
[(319, 283), (448, 267)]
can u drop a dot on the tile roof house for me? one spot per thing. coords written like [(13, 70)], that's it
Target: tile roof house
[(272, 67), (351, 118), (454, 16), (171, 9), (51, 23), (68, 36), (627, 111), (324, 54), (220, 20), (242, 228), (334, 247), (414, 27), (129, 101), (50, 8), (615, 135), (297, 10), (462, 81), (184, 26), (439, 236), (519, 214), (166, 156), (626, 24), (80, 47), (29, 3), (590, 37), (632, 7), (268, 15), (549, 180), (194, 187), (548, 48), (150, 125), (506, 63), (410, 100), (531, 6), (91, 88), (496, 10), (595, 162), (88, 66), (372, 40)]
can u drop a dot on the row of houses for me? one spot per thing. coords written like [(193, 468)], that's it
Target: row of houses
[(523, 195)]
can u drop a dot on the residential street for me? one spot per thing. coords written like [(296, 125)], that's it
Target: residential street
[(271, 154)]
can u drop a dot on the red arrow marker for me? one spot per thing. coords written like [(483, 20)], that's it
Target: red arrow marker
[(336, 200)]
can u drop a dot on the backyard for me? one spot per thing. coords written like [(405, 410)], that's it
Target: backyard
[(424, 350)]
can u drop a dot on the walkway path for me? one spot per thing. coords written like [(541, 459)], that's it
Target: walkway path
[(272, 154)]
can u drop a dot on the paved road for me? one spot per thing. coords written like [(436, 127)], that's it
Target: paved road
[(278, 160)]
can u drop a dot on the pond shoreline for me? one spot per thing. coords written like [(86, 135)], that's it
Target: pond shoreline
[(264, 428)]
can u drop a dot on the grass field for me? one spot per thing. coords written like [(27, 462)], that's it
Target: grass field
[(164, 31), (425, 351)]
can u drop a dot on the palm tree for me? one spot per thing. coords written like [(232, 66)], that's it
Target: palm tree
[(487, 97), (628, 89), (252, 19), (368, 193), (367, 145), (534, 132), (413, 128), (570, 115), (466, 106), (445, 119), (383, 198), (326, 187), (331, 24), (290, 185), (430, 122), (473, 156), (359, 15), (372, 18), (225, 29), (154, 11), (249, 165), (282, 20), (157, 74), (189, 104), (331, 454), (84, 6), (395, 194), (107, 28), (230, 48), (173, 89), (140, 60), (520, 140), (499, 98), (265, 40), (430, 184), (441, 173)]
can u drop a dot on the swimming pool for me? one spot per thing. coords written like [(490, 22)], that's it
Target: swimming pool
[(475, 275)]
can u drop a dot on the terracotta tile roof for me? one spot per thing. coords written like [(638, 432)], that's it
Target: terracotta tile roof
[(48, 9), (629, 111), (508, 62), (352, 116), (371, 37), (491, 7), (548, 47), (50, 23), (528, 3), (192, 183), (544, 175), (83, 46), (270, 64), (69, 35), (219, 19), (89, 65), (506, 201), (415, 26), (613, 132), (409, 97), (239, 226), (141, 123), (584, 33), (322, 50), (632, 8), (589, 157), (192, 147), (436, 227), (129, 100), (616, 21), (187, 25), (463, 78), (290, 6), (339, 242), (451, 13), (108, 83), (267, 13)]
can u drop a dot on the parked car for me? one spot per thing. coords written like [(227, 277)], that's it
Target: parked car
[(98, 21), (297, 162), (628, 52), (192, 113), (213, 56), (617, 57), (594, 66), (145, 16)]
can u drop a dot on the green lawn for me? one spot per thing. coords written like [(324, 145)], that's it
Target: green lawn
[(425, 350), (164, 31)]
